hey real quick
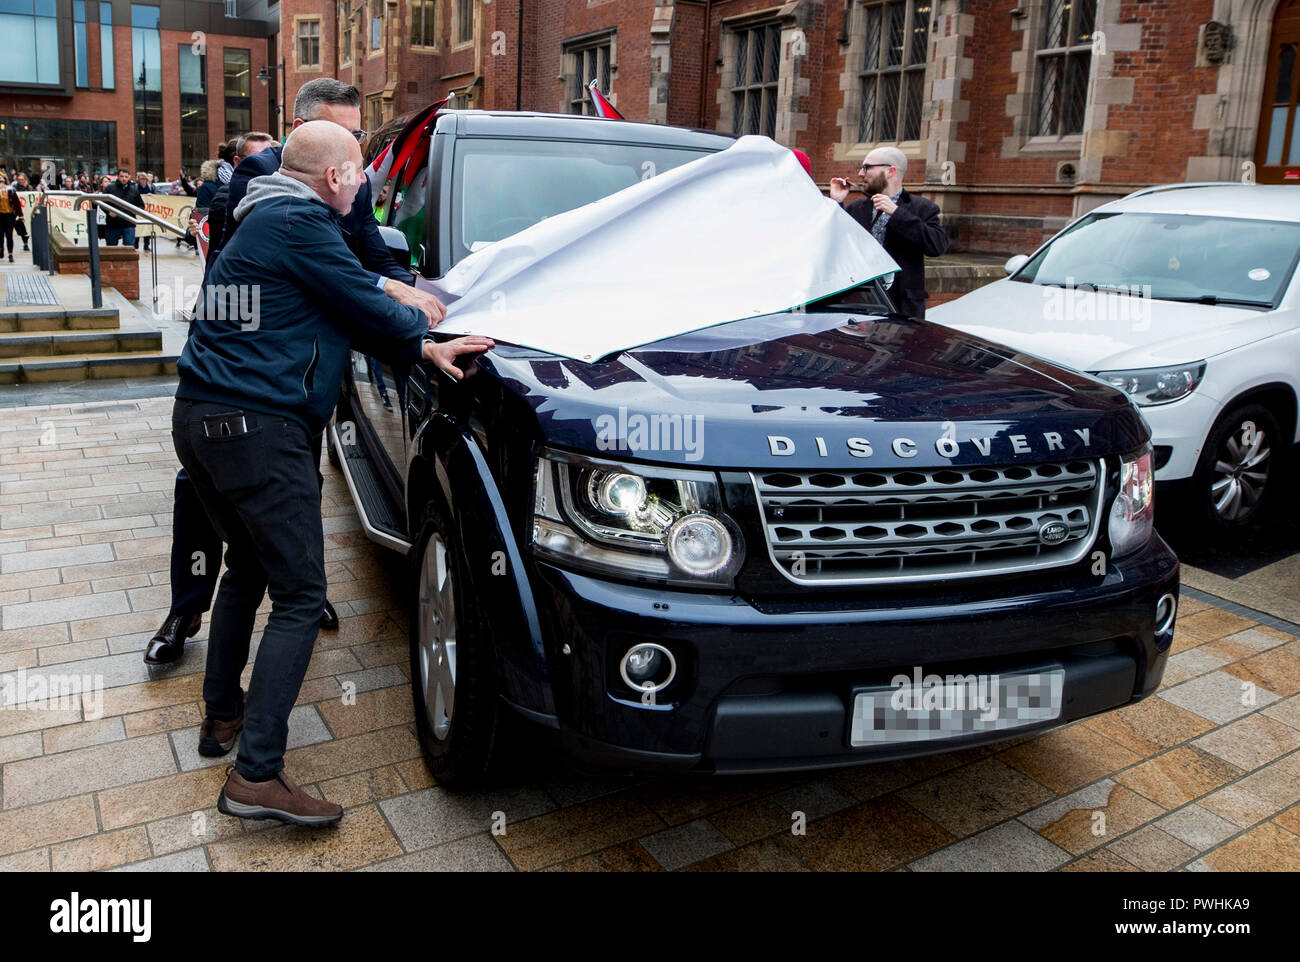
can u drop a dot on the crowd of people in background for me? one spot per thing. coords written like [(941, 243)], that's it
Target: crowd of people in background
[(211, 176)]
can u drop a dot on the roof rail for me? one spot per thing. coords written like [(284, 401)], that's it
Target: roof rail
[(1162, 188)]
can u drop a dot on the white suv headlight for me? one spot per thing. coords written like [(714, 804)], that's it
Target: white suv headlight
[(1132, 514), (1156, 385), (638, 521)]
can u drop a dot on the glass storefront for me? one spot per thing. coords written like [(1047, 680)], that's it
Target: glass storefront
[(30, 29), (239, 91), (36, 145), (194, 107), (146, 53)]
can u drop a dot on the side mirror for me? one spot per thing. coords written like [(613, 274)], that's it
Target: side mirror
[(395, 241), (1015, 263)]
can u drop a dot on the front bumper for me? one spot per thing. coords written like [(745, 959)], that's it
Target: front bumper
[(1183, 427), (771, 690)]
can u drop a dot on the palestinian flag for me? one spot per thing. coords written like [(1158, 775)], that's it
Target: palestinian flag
[(408, 210), (394, 157), (603, 107)]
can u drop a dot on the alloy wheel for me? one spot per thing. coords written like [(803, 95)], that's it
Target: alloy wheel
[(1240, 472), (437, 638)]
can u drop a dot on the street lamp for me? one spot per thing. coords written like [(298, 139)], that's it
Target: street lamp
[(264, 77)]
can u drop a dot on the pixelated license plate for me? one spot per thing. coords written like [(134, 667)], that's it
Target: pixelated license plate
[(955, 705)]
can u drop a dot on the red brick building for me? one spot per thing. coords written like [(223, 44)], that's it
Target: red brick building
[(1016, 114), (150, 85)]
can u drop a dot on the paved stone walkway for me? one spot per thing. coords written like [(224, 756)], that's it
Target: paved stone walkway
[(1192, 778)]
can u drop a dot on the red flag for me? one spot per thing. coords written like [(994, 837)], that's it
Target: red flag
[(603, 107), (397, 153)]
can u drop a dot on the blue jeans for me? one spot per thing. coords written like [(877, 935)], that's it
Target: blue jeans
[(112, 235), (261, 490)]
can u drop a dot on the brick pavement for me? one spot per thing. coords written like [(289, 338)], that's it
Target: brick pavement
[(1190, 779)]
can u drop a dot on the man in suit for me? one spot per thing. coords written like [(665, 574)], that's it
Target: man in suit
[(195, 544), (906, 226), (327, 99)]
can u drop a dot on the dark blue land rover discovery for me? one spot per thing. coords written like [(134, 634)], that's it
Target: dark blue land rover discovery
[(806, 539)]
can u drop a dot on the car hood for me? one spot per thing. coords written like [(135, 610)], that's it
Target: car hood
[(1095, 331), (820, 389)]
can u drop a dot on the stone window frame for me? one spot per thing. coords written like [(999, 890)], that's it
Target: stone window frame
[(374, 111), (456, 12), (346, 31), (437, 45), (1022, 106), (790, 85), (907, 68), (849, 147), (747, 87), (370, 18), (570, 74), (299, 21), (1064, 54)]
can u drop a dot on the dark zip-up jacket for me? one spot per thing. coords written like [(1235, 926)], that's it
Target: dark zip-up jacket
[(912, 233), (281, 309)]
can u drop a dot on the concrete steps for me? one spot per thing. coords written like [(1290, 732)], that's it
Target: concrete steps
[(93, 342), (57, 319), (86, 367), (56, 344)]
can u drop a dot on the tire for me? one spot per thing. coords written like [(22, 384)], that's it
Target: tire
[(457, 711), (1236, 478)]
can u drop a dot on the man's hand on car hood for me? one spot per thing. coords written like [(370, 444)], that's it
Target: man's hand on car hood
[(444, 354), (405, 294)]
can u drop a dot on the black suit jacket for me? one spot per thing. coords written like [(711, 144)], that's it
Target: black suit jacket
[(912, 234), (360, 229)]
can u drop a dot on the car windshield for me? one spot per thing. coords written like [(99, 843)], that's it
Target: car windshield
[(1172, 257), (501, 187)]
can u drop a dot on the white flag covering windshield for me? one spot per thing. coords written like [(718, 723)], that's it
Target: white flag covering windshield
[(737, 233)]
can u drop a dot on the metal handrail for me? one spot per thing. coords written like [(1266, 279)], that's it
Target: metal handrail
[(136, 216), (119, 206)]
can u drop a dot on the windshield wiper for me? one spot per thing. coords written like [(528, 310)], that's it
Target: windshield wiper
[(1215, 299)]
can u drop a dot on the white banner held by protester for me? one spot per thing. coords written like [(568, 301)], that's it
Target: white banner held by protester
[(734, 234)]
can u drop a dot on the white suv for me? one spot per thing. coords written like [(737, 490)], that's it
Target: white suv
[(1185, 297)]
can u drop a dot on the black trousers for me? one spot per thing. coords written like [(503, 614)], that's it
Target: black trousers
[(6, 234), (261, 490), (196, 547)]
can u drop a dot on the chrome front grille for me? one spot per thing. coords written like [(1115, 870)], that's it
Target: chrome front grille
[(872, 526)]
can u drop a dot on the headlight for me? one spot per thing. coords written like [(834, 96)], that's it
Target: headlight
[(638, 521), (1133, 512), (1156, 385)]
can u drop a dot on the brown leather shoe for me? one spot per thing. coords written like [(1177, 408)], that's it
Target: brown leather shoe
[(278, 798), (217, 736), (167, 646)]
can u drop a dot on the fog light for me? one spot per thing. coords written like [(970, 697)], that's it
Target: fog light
[(699, 544), (648, 667), (1166, 610)]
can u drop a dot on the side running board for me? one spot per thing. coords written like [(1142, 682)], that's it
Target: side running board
[(380, 519)]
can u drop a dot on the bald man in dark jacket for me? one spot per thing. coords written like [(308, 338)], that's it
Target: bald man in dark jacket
[(907, 226)]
